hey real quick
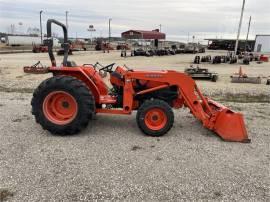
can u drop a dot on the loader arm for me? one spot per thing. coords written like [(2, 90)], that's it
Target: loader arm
[(227, 124)]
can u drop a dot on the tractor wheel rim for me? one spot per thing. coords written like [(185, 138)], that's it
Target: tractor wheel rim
[(60, 107), (155, 119)]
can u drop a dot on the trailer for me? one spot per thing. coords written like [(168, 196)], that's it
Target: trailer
[(27, 41), (22, 40)]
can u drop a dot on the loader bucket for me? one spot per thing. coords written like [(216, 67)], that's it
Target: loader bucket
[(230, 126)]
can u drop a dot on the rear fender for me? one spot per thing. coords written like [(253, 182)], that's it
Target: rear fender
[(79, 74)]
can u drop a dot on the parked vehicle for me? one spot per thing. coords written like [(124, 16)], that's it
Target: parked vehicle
[(27, 40)]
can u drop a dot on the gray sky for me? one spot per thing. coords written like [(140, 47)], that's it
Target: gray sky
[(201, 18)]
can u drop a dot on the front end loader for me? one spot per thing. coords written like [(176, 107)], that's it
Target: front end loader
[(66, 102)]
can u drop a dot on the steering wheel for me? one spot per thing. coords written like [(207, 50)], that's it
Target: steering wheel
[(107, 68)]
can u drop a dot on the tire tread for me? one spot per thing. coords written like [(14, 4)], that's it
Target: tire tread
[(84, 97)]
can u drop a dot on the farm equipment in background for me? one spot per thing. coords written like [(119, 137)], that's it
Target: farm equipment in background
[(206, 58), (62, 52), (194, 48), (221, 59), (161, 52), (246, 60), (247, 57), (103, 46), (191, 48), (201, 73), (39, 48), (241, 77), (152, 52), (233, 60), (73, 46), (77, 45), (197, 59), (218, 59), (65, 103), (138, 52), (264, 58), (122, 46)]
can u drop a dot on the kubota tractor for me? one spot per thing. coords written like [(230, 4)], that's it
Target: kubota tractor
[(66, 102)]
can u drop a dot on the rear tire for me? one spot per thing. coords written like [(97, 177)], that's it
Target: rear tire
[(63, 105), (155, 117)]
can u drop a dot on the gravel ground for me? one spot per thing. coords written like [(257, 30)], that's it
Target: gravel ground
[(113, 160)]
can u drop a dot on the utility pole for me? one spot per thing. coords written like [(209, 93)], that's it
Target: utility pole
[(239, 27), (20, 27), (67, 19), (160, 28), (110, 30), (40, 21), (247, 33)]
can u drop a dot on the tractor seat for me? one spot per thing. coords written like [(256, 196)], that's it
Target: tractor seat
[(117, 76)]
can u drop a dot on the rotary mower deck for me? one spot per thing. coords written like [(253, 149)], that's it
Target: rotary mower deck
[(201, 73)]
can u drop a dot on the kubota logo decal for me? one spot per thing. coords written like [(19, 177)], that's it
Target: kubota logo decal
[(154, 75)]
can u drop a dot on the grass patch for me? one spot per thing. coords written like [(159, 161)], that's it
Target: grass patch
[(241, 98), (264, 112), (135, 148), (217, 194), (158, 158), (16, 90), (17, 120)]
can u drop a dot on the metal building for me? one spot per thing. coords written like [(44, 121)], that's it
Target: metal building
[(262, 44), (229, 44), (141, 34)]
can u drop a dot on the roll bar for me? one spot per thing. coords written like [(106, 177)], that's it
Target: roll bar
[(49, 41)]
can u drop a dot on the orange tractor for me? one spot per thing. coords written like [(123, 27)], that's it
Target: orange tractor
[(65, 103)]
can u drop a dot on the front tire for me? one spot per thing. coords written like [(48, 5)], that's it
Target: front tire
[(63, 105), (155, 117)]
